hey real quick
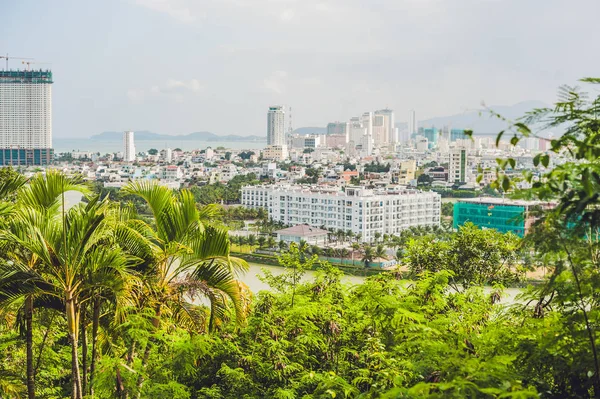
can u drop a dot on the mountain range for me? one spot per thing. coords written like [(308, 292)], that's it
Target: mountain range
[(480, 121)]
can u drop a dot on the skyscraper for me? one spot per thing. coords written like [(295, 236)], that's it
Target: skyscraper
[(129, 147), (276, 126), (391, 132), (412, 123), (25, 117)]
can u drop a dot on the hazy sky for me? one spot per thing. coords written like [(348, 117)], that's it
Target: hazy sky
[(178, 66)]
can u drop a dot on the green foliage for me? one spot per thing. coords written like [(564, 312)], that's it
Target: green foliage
[(376, 167), (228, 193), (474, 256)]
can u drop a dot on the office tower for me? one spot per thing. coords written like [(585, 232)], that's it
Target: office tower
[(25, 117), (432, 135), (356, 130), (391, 135), (412, 123), (367, 122), (457, 165), (380, 134), (337, 128), (129, 147), (276, 126), (457, 134)]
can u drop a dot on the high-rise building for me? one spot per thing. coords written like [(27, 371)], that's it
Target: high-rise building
[(25, 117), (391, 132), (412, 123), (367, 122), (457, 165), (356, 130), (457, 134), (276, 125), (432, 135), (337, 128), (129, 147)]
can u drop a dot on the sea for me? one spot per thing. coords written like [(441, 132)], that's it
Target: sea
[(111, 146)]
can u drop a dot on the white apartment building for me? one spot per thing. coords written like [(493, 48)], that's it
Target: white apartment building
[(363, 211), (276, 126), (458, 165), (25, 117), (129, 147)]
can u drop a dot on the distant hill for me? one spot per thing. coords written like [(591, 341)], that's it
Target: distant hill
[(480, 121), (198, 136)]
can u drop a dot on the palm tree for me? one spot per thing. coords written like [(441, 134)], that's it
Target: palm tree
[(282, 246), (186, 256), (36, 203), (251, 240), (271, 242), (377, 236), (343, 254), (368, 255), (349, 235), (315, 250), (355, 247), (380, 252), (261, 241), (65, 248)]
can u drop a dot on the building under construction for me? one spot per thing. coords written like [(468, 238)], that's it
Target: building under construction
[(501, 214), (25, 117)]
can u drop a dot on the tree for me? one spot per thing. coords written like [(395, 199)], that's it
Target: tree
[(261, 241), (566, 235), (367, 255), (282, 246), (424, 179), (37, 205), (186, 255), (447, 209), (380, 252), (152, 151)]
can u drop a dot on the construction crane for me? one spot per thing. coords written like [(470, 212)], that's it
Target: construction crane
[(6, 57), (28, 63)]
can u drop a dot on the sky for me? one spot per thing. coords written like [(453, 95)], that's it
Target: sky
[(180, 66)]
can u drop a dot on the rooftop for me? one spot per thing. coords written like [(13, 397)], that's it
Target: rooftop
[(17, 76), (302, 230), (500, 201)]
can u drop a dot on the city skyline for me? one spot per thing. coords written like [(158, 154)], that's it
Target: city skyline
[(193, 64)]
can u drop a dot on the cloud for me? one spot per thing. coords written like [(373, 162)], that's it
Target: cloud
[(174, 9)]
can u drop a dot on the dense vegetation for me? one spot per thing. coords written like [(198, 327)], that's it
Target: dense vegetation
[(98, 302)]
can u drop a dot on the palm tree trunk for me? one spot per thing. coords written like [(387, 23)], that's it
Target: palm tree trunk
[(29, 346), (84, 352), (155, 324), (73, 330), (95, 323)]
